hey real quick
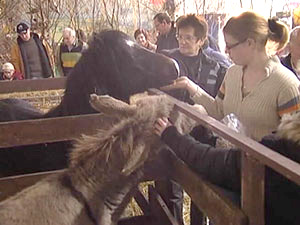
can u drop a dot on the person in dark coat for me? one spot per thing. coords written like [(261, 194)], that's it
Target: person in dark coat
[(167, 32), (204, 70), (292, 60), (222, 167), (31, 55)]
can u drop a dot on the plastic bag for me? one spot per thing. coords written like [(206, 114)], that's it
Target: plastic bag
[(232, 122)]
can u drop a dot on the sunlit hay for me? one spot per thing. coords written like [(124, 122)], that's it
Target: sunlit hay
[(186, 209), (43, 100), (134, 210)]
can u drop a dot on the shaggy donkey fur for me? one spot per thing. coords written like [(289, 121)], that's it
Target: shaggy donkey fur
[(289, 127), (103, 169)]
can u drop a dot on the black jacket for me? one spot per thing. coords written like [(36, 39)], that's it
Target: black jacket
[(223, 167), (167, 41), (202, 69), (286, 61), (46, 65)]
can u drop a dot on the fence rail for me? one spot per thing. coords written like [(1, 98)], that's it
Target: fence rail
[(205, 195), (66, 128), (32, 85)]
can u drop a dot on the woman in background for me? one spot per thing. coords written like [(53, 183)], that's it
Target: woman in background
[(141, 38)]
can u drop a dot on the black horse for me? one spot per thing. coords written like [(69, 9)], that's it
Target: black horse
[(113, 64)]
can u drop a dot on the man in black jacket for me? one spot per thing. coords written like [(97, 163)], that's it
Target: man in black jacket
[(31, 55), (167, 32), (223, 167)]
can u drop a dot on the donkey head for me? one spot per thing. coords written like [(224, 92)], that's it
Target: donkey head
[(134, 131)]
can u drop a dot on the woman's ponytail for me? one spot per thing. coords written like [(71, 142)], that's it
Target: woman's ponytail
[(278, 32)]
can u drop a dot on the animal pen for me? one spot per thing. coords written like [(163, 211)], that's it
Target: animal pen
[(205, 195)]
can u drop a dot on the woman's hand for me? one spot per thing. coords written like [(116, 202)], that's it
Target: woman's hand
[(182, 83), (160, 125)]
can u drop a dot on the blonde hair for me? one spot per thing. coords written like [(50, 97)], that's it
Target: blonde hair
[(252, 25), (8, 66)]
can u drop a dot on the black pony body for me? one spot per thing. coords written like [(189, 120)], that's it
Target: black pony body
[(15, 109), (113, 64)]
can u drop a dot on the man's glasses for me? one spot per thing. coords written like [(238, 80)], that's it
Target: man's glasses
[(187, 38), (229, 47)]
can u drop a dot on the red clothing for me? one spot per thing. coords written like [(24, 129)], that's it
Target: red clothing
[(15, 76)]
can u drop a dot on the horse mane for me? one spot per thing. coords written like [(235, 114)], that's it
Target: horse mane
[(104, 56)]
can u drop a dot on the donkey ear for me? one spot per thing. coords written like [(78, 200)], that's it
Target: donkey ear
[(135, 159), (111, 106)]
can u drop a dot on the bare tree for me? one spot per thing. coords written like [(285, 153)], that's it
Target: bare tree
[(7, 18)]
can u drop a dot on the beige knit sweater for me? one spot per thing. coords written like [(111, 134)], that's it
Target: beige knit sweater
[(259, 111)]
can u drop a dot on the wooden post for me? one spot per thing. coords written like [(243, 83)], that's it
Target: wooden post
[(253, 190), (160, 209)]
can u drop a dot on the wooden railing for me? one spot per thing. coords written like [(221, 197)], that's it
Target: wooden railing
[(255, 158), (206, 196), (32, 85)]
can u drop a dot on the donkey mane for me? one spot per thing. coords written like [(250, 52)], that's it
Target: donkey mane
[(125, 133), (104, 168)]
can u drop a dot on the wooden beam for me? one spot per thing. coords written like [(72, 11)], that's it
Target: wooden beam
[(208, 197), (50, 130), (253, 190), (11, 185), (32, 85), (159, 208), (142, 201), (266, 156)]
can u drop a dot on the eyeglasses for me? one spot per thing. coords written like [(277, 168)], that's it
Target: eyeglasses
[(229, 47), (187, 38)]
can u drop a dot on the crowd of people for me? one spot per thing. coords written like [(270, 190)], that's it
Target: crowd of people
[(250, 80), (33, 58), (257, 88)]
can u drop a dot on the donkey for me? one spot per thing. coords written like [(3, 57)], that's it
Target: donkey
[(103, 169)]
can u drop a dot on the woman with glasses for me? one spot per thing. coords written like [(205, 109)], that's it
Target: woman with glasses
[(258, 89), (207, 72), (191, 33)]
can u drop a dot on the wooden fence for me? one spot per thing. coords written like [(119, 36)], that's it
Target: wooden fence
[(32, 85), (206, 196)]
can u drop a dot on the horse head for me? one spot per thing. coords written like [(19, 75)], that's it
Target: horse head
[(116, 65)]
